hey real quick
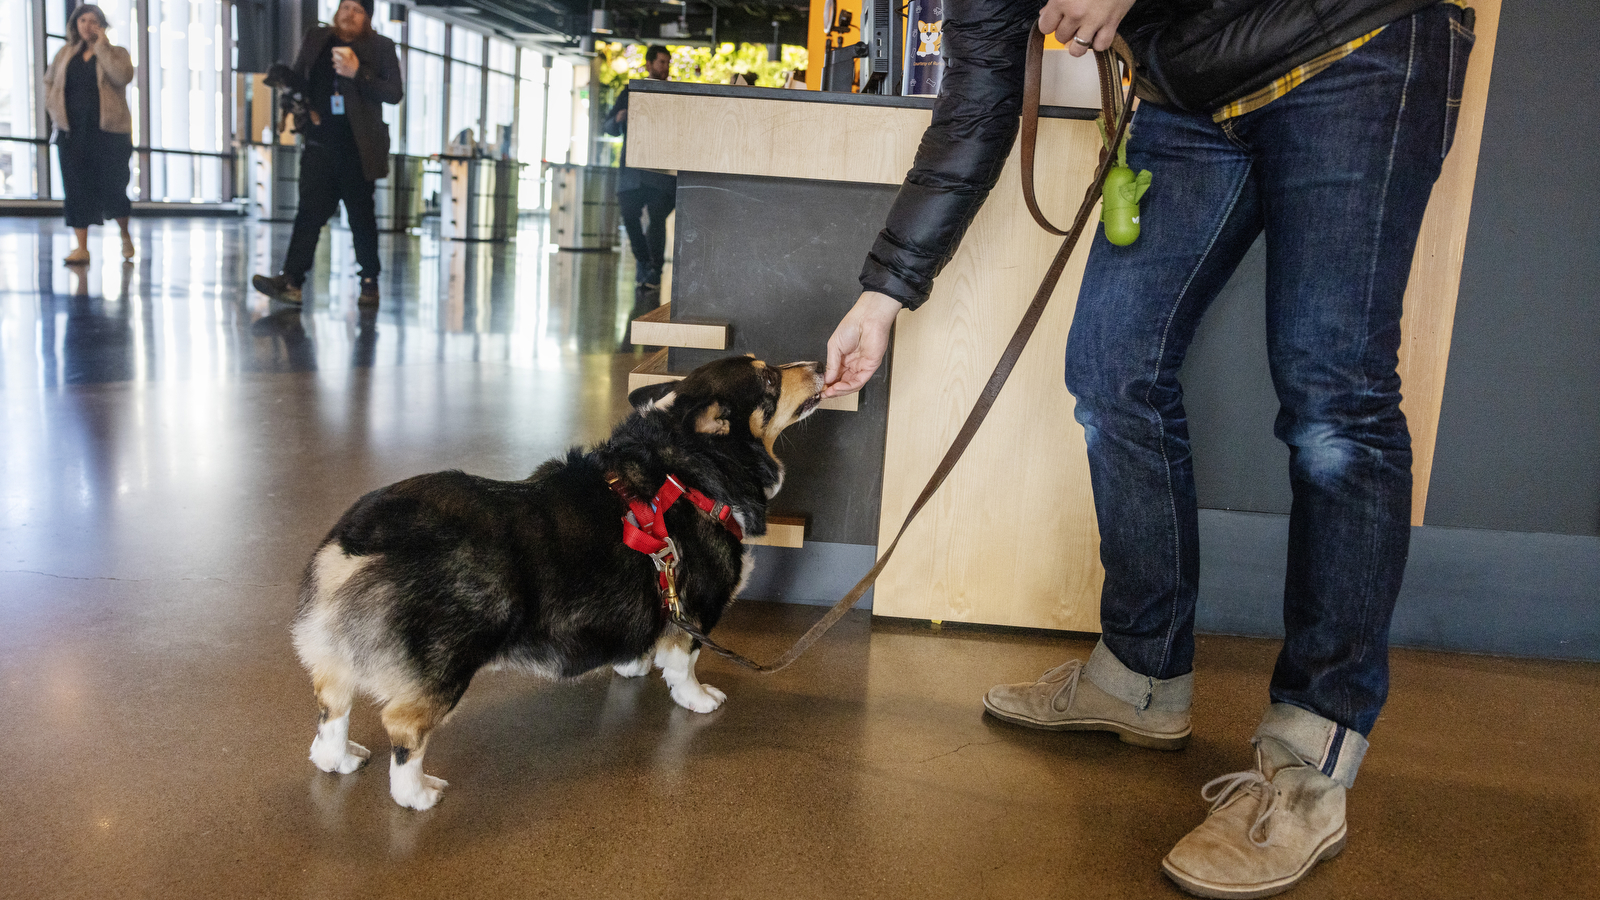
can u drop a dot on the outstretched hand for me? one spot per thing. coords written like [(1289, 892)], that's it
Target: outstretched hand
[(859, 343)]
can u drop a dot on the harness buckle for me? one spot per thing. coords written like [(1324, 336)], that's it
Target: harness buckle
[(666, 562)]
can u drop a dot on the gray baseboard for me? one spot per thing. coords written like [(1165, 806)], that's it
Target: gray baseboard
[(818, 574), (1471, 590), (1468, 590), (141, 209)]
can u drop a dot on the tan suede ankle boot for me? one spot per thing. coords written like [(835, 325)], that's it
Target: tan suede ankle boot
[(1071, 697), (1269, 826)]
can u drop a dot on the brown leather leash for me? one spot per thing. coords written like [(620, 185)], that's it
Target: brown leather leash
[(1116, 106)]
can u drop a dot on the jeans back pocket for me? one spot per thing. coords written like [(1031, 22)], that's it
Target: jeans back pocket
[(1461, 40)]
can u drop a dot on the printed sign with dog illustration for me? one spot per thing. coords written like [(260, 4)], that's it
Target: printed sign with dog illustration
[(924, 68)]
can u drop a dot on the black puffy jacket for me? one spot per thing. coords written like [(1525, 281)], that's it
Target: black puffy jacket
[(1193, 54)]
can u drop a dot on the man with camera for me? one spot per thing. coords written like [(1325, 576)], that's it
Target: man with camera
[(342, 76)]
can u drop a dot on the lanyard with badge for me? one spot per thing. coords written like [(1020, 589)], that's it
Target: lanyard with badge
[(336, 102)]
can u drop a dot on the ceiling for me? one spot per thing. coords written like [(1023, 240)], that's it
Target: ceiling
[(562, 24)]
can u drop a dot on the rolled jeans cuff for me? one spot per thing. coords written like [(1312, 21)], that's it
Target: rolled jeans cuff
[(1143, 692), (1334, 749)]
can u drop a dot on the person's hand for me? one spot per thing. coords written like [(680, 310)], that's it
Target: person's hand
[(859, 342), (1093, 22), (622, 115), (345, 62)]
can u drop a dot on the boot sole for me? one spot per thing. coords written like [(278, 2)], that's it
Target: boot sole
[(1148, 740), (1201, 888), (272, 292)]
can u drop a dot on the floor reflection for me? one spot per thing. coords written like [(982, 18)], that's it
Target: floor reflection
[(184, 310)]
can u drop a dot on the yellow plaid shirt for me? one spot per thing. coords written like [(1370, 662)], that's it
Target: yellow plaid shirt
[(1297, 76)]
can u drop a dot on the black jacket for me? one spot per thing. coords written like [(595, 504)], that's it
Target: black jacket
[(1193, 54), (377, 82)]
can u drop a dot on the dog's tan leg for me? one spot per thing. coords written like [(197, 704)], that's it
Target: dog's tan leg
[(677, 669), (333, 751), (409, 723)]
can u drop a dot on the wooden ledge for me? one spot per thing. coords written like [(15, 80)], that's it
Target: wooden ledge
[(656, 329), (782, 531)]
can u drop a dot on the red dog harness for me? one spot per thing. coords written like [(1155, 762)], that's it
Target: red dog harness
[(644, 528)]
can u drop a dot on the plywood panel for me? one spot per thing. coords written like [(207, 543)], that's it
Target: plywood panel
[(783, 139), (1430, 310), (1010, 539)]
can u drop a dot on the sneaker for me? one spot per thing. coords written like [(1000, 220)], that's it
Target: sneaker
[(78, 257), (1269, 826), (277, 287), (369, 292), (1070, 698)]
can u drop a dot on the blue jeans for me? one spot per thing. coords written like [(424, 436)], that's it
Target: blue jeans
[(1337, 173)]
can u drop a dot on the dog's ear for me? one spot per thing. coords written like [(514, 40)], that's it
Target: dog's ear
[(712, 420), (657, 395)]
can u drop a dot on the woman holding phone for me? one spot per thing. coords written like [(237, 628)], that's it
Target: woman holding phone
[(86, 96)]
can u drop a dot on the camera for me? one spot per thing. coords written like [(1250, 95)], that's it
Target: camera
[(292, 98)]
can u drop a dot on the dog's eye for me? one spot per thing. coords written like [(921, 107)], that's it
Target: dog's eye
[(772, 381)]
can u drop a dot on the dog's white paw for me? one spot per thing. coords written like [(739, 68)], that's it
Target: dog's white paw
[(330, 757), (418, 794), (695, 697), (640, 666)]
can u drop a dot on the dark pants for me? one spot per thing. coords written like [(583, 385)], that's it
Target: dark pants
[(1337, 173), (649, 244), (328, 176), (94, 174)]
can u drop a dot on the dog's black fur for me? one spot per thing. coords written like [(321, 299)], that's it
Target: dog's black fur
[(425, 582)]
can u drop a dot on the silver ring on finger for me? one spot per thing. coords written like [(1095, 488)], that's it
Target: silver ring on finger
[(1081, 42)]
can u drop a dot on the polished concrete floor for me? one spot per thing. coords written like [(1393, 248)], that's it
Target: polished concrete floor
[(171, 448)]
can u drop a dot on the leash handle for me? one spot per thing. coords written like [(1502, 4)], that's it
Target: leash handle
[(1116, 107), (1115, 110)]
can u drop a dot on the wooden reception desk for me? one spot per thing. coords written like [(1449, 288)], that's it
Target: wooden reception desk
[(1010, 539)]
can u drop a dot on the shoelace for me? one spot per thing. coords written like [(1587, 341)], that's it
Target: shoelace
[(1068, 673), (1220, 790)]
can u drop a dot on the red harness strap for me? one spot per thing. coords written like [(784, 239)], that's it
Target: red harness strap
[(644, 528)]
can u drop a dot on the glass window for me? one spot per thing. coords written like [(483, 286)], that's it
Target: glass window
[(394, 31), (18, 112), (466, 98), (426, 33), (186, 100), (424, 103), (502, 113), (466, 45), (559, 143), (502, 56), (530, 129)]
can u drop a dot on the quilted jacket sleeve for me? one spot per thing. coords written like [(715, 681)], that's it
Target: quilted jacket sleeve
[(975, 122)]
